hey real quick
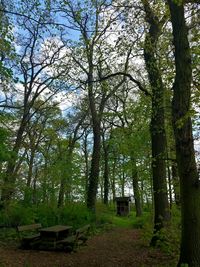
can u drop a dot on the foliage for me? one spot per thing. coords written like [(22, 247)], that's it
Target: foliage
[(106, 218), (4, 151), (143, 221), (168, 237), (75, 214), (6, 45), (17, 214)]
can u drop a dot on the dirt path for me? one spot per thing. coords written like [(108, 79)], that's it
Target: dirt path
[(117, 248)]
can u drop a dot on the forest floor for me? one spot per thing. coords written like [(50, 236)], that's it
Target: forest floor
[(118, 247)]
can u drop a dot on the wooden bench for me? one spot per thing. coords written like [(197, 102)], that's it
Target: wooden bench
[(82, 234), (80, 237), (28, 234)]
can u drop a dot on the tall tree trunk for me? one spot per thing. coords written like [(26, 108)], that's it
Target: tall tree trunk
[(113, 186), (61, 194), (169, 184), (95, 162), (101, 186), (86, 156), (30, 168), (65, 190), (176, 183), (8, 187), (136, 189), (65, 182), (106, 178), (27, 194), (123, 179), (96, 127), (94, 170), (106, 172), (142, 194), (35, 198), (158, 137), (189, 179)]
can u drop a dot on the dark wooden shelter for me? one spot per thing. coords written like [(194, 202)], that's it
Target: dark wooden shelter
[(123, 205)]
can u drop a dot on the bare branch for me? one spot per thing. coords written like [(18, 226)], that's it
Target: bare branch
[(138, 83)]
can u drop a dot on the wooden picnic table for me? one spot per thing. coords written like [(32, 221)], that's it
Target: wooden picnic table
[(54, 234)]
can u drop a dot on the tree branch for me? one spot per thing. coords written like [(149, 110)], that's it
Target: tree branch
[(138, 83)]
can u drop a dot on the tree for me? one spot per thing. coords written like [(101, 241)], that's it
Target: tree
[(32, 65), (158, 136), (189, 179), (106, 153), (6, 45), (90, 61), (128, 113), (33, 140), (72, 139)]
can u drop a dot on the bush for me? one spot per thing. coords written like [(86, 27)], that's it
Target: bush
[(168, 238), (75, 214), (16, 214), (143, 222)]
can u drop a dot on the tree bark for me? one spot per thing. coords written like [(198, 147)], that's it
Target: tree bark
[(189, 180), (65, 181), (106, 173), (136, 189), (96, 126), (123, 177), (86, 158), (169, 184), (94, 170), (158, 136), (27, 193), (35, 198), (176, 183), (113, 180)]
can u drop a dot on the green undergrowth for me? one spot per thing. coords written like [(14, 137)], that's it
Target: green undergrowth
[(170, 235), (107, 216), (77, 215), (168, 239)]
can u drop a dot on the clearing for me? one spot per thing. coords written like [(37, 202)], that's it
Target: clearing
[(118, 247)]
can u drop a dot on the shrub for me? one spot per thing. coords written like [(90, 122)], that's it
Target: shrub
[(16, 214)]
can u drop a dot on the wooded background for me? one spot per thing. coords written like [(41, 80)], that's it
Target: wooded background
[(100, 99)]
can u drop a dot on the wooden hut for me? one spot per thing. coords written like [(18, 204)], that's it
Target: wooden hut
[(123, 205)]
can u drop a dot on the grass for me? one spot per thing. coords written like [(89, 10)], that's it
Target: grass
[(107, 215)]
